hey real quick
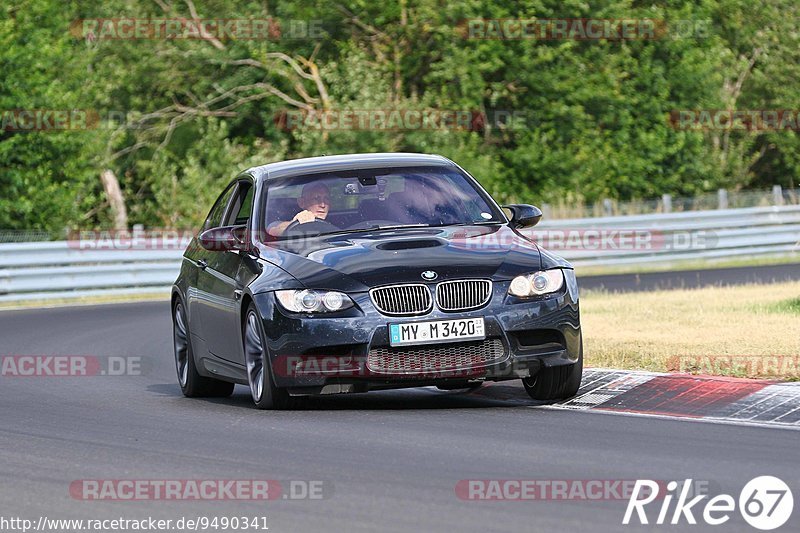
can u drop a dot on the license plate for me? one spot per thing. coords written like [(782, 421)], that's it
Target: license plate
[(436, 331)]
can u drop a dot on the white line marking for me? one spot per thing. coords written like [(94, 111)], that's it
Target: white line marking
[(750, 407), (757, 407), (777, 419), (720, 421)]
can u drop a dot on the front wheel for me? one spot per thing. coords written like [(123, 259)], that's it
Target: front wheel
[(193, 385), (259, 373), (557, 382)]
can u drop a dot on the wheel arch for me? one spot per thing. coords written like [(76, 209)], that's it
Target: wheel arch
[(176, 295), (247, 300)]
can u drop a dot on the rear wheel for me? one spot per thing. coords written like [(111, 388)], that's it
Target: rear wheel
[(259, 372), (557, 382), (193, 385)]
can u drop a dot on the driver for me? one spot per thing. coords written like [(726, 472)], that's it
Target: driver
[(314, 202)]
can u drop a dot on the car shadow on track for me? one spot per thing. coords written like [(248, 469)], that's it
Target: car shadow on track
[(489, 395)]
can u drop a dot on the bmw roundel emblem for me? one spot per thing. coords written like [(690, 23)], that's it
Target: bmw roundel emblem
[(429, 275)]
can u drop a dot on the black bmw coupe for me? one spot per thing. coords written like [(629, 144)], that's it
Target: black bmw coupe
[(352, 273)]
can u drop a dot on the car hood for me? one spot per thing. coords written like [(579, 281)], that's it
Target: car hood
[(356, 262)]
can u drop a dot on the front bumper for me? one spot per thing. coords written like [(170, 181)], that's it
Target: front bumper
[(347, 352)]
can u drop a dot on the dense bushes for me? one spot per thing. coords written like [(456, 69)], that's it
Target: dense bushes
[(592, 116)]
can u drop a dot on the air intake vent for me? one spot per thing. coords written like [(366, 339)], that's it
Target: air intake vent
[(462, 295), (402, 300), (433, 359)]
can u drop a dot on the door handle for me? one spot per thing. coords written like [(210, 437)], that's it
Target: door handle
[(202, 263)]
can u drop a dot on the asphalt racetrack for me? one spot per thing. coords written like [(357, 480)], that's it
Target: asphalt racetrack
[(691, 279), (387, 461)]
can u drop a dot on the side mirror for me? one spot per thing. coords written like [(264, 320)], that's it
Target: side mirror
[(524, 215), (224, 239)]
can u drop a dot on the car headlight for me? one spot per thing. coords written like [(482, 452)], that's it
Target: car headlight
[(311, 301), (537, 284)]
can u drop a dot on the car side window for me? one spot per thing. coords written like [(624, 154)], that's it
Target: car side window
[(214, 219), (242, 205)]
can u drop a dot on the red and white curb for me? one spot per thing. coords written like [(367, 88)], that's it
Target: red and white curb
[(702, 398), (707, 398)]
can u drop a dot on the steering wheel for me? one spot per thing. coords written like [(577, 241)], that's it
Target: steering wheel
[(315, 227)]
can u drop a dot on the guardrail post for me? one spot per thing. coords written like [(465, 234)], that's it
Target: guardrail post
[(777, 195), (722, 199), (607, 207), (666, 200)]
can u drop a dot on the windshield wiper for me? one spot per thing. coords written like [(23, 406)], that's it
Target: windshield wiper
[(404, 226), (399, 226), (478, 223), (374, 228)]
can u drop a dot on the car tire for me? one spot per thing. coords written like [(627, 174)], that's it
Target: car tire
[(259, 370), (556, 382), (192, 384)]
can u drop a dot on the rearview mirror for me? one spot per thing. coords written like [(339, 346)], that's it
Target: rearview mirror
[(524, 215), (224, 239), (366, 185)]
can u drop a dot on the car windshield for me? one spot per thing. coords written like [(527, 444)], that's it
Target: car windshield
[(372, 199)]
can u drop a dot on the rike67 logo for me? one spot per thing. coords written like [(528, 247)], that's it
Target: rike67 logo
[(765, 503)]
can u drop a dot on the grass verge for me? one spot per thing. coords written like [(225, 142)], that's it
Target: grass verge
[(84, 300), (694, 264), (741, 331)]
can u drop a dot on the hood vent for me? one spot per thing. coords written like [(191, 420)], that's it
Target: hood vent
[(409, 244)]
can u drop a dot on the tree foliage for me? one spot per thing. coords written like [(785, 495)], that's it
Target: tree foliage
[(179, 117)]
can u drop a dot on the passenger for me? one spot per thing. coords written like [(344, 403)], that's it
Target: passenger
[(314, 202)]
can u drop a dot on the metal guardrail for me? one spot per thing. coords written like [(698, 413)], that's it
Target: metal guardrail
[(64, 269), (722, 199), (46, 270), (675, 237)]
